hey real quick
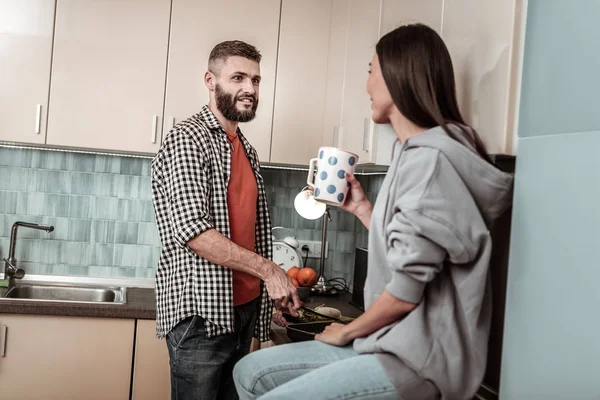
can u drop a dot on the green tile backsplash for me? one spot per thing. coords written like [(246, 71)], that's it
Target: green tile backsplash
[(101, 208)]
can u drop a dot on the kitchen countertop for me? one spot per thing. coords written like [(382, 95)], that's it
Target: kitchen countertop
[(140, 305), (341, 302)]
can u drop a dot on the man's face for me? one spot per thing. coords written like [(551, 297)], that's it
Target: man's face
[(236, 88)]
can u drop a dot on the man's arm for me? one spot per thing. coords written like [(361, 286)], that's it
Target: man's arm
[(216, 248), (188, 184)]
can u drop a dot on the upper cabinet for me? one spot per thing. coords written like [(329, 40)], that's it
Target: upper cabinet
[(357, 130), (302, 78), (108, 74), (25, 54), (119, 74), (484, 41), (196, 27)]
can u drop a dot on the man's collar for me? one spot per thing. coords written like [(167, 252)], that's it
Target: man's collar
[(209, 118)]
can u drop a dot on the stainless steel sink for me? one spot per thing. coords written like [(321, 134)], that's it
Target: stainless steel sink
[(72, 293)]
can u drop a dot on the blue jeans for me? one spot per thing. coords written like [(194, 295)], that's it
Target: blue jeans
[(311, 370), (201, 367)]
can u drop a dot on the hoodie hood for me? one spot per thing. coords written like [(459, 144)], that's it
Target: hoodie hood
[(491, 188)]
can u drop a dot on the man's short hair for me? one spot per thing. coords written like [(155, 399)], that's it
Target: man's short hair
[(230, 48)]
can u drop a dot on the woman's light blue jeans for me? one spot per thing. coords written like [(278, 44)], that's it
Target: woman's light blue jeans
[(311, 370)]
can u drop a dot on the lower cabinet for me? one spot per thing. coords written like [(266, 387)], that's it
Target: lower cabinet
[(151, 375), (51, 357)]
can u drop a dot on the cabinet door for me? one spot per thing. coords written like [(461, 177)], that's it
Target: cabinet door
[(59, 358), (362, 36), (481, 39), (25, 54), (196, 27), (108, 74), (393, 14), (302, 71), (151, 373)]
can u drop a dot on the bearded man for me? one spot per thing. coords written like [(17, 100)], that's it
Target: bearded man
[(215, 282)]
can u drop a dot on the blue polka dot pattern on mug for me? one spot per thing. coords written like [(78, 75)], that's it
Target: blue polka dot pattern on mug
[(323, 175), (332, 160), (340, 197), (331, 189), (341, 173), (321, 154), (317, 192), (351, 161)]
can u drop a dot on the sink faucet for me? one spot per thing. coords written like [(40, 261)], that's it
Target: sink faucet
[(10, 264)]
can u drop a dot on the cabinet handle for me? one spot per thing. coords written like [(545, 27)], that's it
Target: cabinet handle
[(338, 135), (38, 119), (366, 134), (3, 340), (154, 126)]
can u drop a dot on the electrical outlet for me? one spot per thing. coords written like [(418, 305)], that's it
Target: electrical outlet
[(314, 248)]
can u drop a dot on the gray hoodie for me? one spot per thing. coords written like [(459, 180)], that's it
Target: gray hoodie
[(429, 243)]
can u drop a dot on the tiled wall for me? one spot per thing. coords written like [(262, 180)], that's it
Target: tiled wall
[(344, 231), (101, 208)]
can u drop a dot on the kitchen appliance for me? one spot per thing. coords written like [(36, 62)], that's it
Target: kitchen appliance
[(360, 275)]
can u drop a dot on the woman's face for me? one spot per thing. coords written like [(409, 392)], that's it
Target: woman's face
[(382, 104)]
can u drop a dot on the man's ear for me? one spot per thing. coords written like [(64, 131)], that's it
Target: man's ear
[(210, 80)]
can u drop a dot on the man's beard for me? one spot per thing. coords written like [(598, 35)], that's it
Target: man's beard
[(226, 105)]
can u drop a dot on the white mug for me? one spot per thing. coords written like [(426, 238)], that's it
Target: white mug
[(326, 174)]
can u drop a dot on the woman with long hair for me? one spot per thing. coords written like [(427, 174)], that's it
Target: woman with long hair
[(424, 334)]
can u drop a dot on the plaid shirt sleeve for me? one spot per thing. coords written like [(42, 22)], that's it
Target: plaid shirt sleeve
[(188, 186)]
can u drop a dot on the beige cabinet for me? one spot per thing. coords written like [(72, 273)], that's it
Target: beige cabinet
[(108, 74), (484, 39), (151, 374), (356, 26), (196, 27), (25, 53), (50, 357), (484, 42), (358, 130), (380, 139), (302, 81)]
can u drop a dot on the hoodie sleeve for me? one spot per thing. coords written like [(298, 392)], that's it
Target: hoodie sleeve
[(417, 248)]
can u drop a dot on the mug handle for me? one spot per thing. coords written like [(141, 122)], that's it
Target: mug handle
[(312, 164)]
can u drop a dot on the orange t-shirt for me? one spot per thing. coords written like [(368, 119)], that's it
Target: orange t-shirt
[(242, 195)]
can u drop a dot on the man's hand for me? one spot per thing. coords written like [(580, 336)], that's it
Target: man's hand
[(279, 319), (282, 290)]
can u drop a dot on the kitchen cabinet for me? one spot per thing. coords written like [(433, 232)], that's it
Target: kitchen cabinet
[(196, 27), (364, 22), (358, 130), (25, 53), (108, 74), (484, 41), (485, 50), (151, 373), (356, 26), (302, 80), (52, 357)]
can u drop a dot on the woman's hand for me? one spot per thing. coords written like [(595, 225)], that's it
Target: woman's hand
[(334, 334), (357, 202)]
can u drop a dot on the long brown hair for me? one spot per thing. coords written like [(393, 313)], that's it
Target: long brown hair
[(417, 70)]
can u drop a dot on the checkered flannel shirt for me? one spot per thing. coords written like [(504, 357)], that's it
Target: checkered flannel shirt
[(190, 177)]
